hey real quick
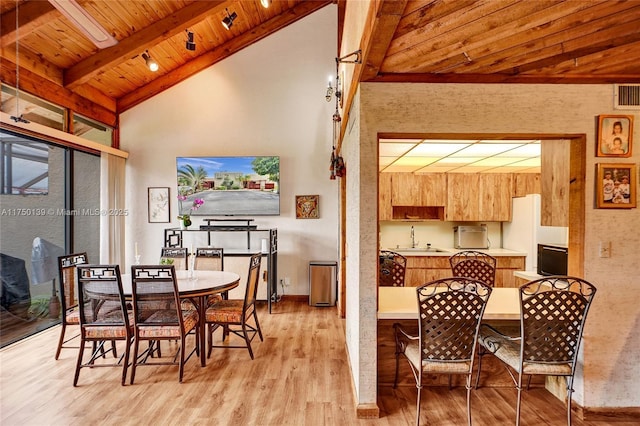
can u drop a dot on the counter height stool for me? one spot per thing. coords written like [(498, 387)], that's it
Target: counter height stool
[(450, 310), (553, 313), (474, 264), (68, 298), (392, 269)]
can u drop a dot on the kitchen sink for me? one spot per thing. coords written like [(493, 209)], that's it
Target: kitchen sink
[(420, 249)]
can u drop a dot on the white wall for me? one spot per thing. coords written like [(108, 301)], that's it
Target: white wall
[(609, 369), (437, 233), (267, 99)]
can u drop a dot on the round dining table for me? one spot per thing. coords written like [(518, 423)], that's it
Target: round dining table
[(197, 285)]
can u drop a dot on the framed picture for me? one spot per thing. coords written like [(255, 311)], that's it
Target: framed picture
[(158, 205), (616, 186), (307, 207), (614, 136)]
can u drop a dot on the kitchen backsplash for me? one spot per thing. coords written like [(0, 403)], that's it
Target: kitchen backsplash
[(438, 234)]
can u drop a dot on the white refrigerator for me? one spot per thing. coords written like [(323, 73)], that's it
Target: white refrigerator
[(524, 232)]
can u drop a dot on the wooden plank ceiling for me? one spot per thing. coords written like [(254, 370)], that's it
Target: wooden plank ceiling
[(459, 41)]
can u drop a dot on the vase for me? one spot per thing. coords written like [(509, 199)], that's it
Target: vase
[(183, 225)]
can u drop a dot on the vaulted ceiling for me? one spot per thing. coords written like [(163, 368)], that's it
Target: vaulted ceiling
[(456, 41)]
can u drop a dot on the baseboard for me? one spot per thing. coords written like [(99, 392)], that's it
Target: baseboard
[(296, 297), (608, 414), (368, 411)]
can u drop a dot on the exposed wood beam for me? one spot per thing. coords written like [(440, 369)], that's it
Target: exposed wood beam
[(31, 15), (85, 70), (45, 89), (216, 55), (382, 31), (504, 78)]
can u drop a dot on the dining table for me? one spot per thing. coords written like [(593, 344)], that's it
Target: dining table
[(197, 286), (402, 303)]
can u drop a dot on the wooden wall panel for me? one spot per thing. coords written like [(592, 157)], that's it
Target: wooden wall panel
[(555, 168)]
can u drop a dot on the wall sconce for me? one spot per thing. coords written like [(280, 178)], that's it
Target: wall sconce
[(190, 44), (331, 90), (151, 63), (227, 21), (265, 3)]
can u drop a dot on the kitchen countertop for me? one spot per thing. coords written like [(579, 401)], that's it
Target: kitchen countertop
[(448, 251)]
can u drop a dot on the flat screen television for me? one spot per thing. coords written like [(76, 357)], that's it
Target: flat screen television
[(229, 186)]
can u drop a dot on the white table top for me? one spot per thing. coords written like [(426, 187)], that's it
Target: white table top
[(402, 303), (203, 282)]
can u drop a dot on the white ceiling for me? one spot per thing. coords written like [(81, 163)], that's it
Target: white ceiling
[(459, 156)]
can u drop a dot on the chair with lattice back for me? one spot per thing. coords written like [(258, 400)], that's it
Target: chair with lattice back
[(474, 264), (103, 317), (450, 311), (392, 269), (210, 259), (553, 313), (159, 315), (68, 297), (176, 256)]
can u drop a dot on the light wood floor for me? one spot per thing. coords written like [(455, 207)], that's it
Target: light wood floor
[(300, 376)]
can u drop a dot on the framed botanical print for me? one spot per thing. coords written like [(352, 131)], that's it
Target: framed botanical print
[(158, 205), (614, 136), (307, 207), (616, 186)]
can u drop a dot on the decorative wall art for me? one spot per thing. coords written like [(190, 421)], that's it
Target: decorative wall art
[(614, 136), (158, 205), (307, 207), (616, 186)]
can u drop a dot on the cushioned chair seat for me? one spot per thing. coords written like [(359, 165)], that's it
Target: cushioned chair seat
[(508, 351), (190, 319), (73, 317), (225, 311), (412, 352)]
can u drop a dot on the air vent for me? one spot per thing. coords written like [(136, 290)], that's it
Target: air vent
[(626, 96)]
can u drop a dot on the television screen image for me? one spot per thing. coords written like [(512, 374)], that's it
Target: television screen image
[(228, 186)]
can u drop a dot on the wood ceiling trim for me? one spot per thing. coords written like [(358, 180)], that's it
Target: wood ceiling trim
[(504, 78), (31, 15), (85, 70), (219, 53), (34, 84), (384, 27)]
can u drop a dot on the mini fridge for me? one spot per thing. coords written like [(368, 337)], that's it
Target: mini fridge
[(323, 283)]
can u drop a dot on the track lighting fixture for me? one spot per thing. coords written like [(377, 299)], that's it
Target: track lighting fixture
[(265, 3), (190, 45), (227, 21), (151, 63)]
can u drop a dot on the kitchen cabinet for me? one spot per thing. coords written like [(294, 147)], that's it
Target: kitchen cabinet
[(408, 189), (525, 183), (554, 186), (384, 197), (422, 269), (479, 197)]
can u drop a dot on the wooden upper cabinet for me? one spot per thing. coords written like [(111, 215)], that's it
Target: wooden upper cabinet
[(410, 189), (479, 197), (525, 183), (384, 196), (554, 185)]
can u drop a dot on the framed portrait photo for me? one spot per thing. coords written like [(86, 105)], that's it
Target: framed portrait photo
[(158, 205), (616, 186), (614, 136), (307, 207)]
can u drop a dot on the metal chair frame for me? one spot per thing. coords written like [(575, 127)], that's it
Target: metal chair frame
[(474, 264), (450, 311), (553, 313), (392, 269)]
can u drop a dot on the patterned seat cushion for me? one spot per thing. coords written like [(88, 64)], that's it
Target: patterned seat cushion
[(225, 311), (190, 319), (109, 327), (412, 351), (508, 351), (73, 317)]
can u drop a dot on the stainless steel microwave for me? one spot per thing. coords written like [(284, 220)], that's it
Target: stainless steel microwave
[(552, 259)]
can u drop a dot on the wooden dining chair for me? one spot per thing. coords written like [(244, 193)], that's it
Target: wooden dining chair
[(233, 316), (474, 264), (210, 259), (553, 312), (160, 315), (103, 317), (68, 297), (392, 269), (450, 311), (176, 256)]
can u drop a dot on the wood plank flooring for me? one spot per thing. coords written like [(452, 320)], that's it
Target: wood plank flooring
[(300, 376)]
